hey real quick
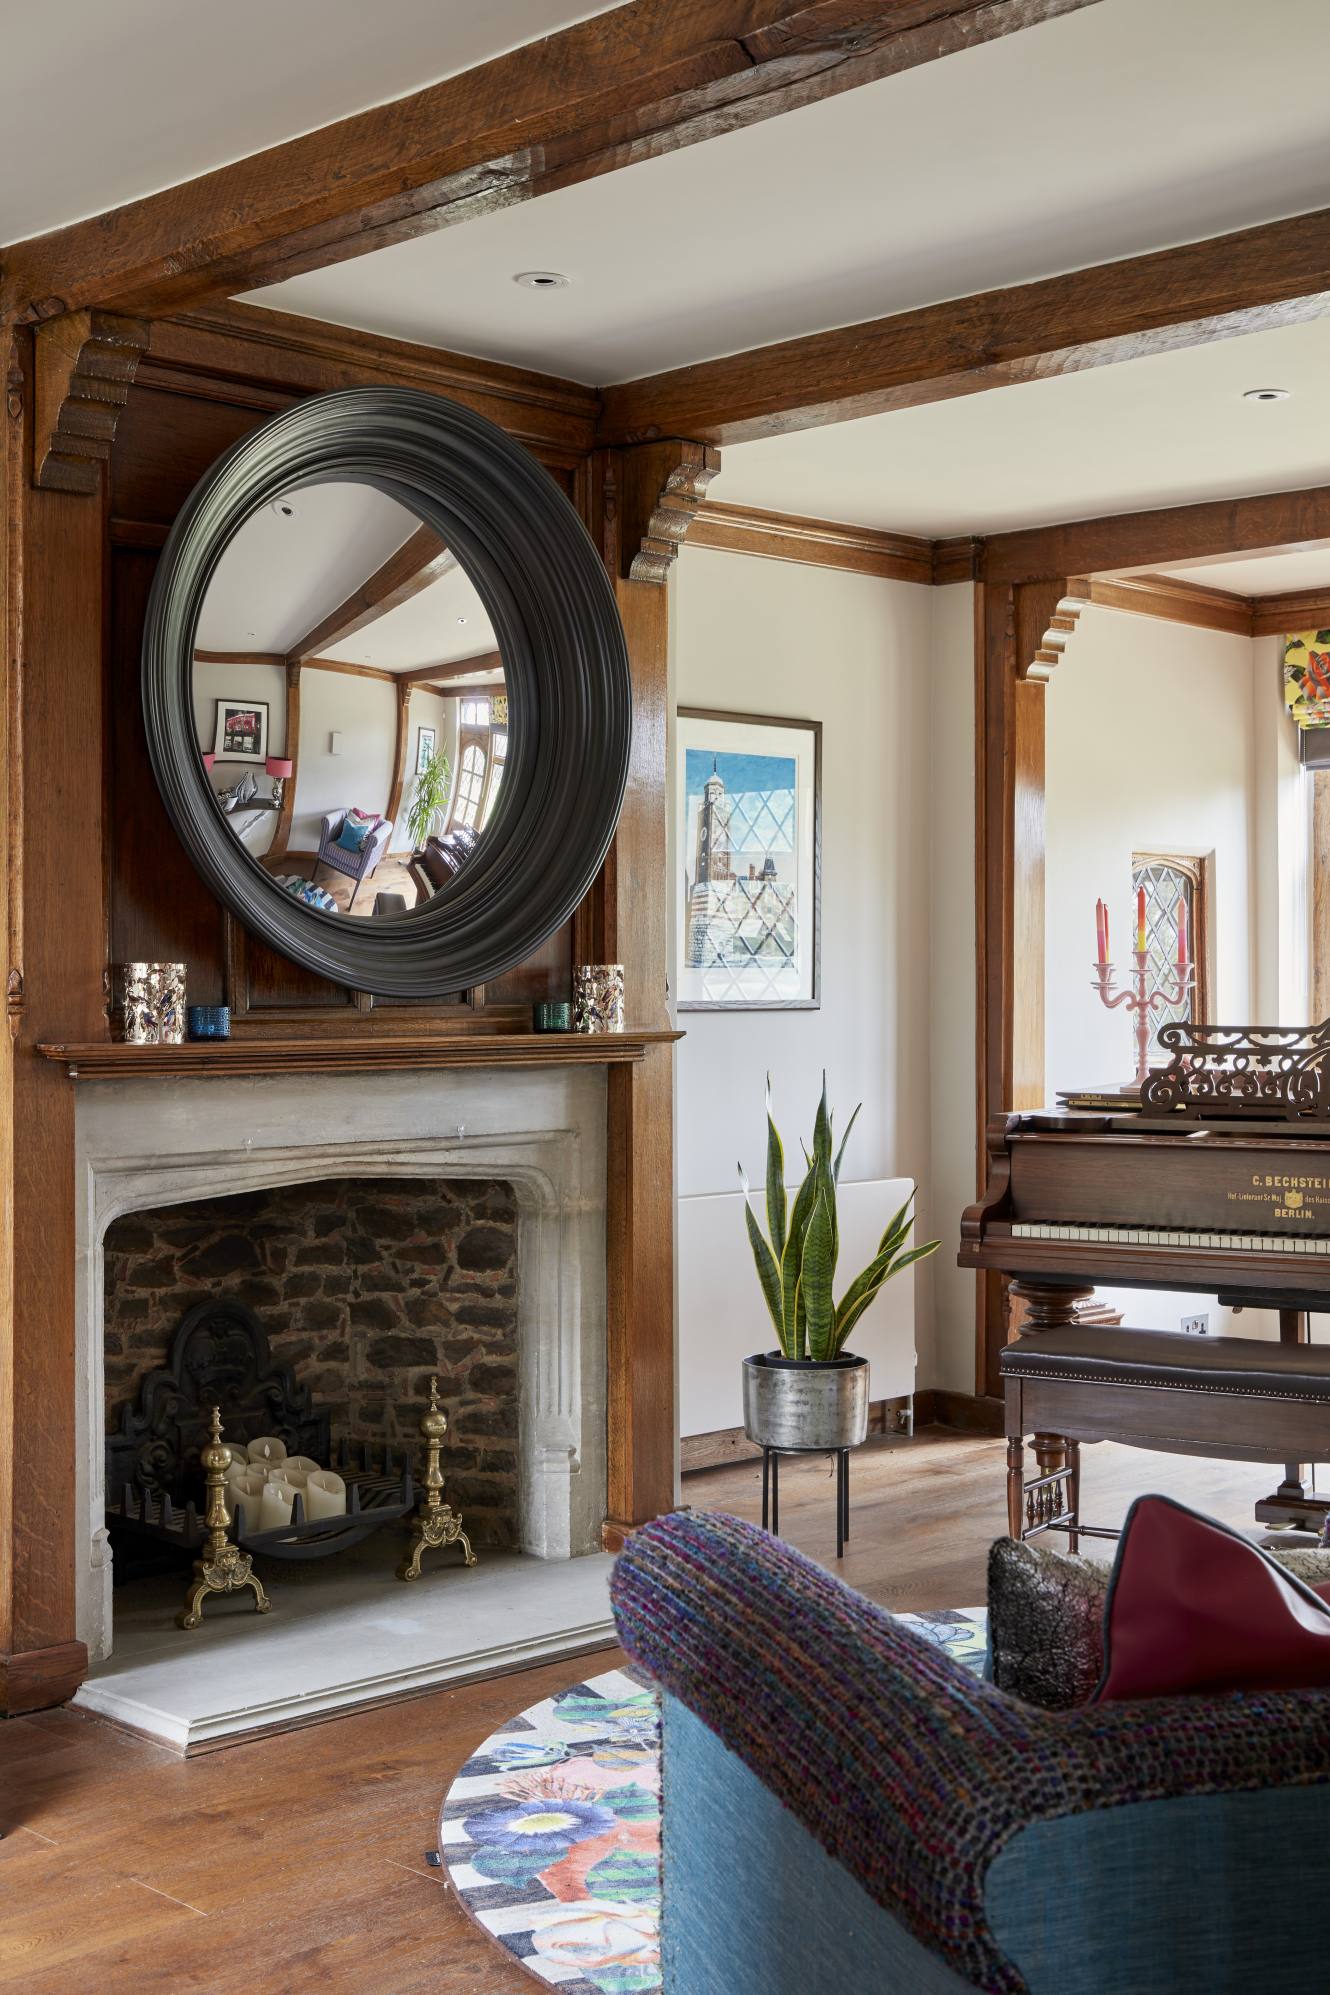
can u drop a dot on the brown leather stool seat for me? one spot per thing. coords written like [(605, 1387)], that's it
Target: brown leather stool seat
[(1238, 1398)]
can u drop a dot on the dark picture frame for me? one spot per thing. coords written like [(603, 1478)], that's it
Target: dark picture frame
[(552, 607), (775, 881), (426, 742), (239, 721)]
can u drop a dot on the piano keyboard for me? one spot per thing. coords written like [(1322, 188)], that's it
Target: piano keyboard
[(1148, 1236)]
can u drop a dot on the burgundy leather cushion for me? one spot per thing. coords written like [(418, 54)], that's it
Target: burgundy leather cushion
[(1193, 1607)]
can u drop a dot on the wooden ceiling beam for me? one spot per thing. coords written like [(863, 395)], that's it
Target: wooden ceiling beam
[(645, 79), (1273, 275), (416, 563), (1167, 598), (1284, 521)]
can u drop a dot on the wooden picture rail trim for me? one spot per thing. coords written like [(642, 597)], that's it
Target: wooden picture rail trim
[(1205, 609), (409, 570), (861, 550), (628, 85), (323, 1055), (1273, 275), (254, 357)]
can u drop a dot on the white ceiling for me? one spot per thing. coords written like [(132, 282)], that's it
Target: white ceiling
[(282, 574), (1156, 432), (1128, 126), (1260, 574), (102, 103)]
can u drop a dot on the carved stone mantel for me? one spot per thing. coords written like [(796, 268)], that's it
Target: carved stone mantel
[(543, 1132)]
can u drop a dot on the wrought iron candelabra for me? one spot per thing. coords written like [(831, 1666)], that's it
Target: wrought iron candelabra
[(1143, 1000)]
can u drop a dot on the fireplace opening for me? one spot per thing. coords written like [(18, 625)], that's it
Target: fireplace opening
[(365, 1289)]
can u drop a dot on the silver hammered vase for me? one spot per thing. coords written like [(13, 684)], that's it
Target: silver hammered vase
[(805, 1403)]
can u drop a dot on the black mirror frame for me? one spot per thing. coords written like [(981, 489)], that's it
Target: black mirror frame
[(565, 657)]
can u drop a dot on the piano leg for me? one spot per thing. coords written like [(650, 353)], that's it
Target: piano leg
[(1294, 1502), (1049, 1306)]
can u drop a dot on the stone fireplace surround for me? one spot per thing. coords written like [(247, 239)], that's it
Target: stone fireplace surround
[(147, 1144)]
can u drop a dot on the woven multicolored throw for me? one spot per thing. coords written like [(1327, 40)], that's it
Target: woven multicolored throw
[(908, 1771)]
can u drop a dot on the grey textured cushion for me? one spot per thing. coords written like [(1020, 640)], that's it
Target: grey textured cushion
[(1046, 1618)]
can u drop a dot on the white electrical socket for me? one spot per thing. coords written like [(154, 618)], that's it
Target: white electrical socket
[(1197, 1326)]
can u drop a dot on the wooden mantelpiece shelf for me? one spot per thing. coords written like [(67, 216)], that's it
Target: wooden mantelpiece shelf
[(108, 1061)]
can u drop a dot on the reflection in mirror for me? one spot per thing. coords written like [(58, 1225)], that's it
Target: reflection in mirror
[(350, 704)]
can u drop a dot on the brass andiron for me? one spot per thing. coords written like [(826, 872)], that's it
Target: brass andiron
[(221, 1567), (435, 1523)]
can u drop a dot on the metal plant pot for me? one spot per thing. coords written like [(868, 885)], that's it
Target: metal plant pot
[(805, 1403)]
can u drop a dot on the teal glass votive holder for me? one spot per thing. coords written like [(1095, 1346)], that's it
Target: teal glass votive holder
[(209, 1021), (552, 1015)]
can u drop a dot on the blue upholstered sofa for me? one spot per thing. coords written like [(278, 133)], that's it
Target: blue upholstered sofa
[(848, 1811)]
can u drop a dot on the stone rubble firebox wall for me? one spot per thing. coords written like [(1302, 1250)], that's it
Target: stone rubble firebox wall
[(365, 1288)]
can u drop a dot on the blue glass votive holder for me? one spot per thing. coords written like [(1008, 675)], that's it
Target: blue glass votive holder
[(552, 1015), (209, 1021)]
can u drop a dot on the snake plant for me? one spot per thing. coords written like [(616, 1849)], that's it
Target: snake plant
[(796, 1265)]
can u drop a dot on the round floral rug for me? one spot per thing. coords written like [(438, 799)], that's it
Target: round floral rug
[(551, 1831)]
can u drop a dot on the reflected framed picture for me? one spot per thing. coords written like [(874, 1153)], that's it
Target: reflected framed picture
[(748, 797), (425, 741), (242, 731)]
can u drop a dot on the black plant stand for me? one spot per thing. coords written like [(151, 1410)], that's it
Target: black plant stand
[(771, 1490)]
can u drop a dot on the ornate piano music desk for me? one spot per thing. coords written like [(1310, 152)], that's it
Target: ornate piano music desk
[(1237, 1206)]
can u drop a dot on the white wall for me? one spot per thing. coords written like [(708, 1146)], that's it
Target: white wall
[(364, 712), (771, 637)]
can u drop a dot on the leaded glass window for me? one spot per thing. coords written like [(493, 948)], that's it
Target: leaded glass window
[(1171, 881)]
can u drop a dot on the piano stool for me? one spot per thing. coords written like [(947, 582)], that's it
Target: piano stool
[(1242, 1399)]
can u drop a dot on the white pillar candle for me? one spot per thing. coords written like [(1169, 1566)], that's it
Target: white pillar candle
[(325, 1494), (306, 1465), (275, 1504), (249, 1493), (267, 1449)]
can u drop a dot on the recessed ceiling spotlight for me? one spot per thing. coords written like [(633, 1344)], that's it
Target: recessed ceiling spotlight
[(283, 509), (1266, 394), (541, 280), (461, 619)]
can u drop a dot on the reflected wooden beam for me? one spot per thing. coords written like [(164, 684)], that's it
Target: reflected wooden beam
[(454, 668), (281, 837), (416, 563), (240, 658)]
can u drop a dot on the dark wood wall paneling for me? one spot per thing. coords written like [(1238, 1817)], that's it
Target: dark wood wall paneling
[(166, 438), (95, 874)]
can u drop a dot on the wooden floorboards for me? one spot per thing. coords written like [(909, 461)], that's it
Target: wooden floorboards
[(297, 1863)]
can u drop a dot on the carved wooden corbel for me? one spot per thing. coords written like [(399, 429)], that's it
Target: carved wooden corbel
[(1047, 614), (661, 485), (85, 367)]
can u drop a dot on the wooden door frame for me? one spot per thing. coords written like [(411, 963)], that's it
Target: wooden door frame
[(1024, 615)]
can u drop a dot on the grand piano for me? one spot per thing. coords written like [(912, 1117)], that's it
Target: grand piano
[(1216, 1179)]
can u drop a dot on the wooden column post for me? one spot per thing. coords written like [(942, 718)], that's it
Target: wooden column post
[(639, 504), (57, 953), (1021, 629)]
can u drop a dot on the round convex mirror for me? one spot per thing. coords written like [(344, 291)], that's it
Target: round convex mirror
[(350, 702), (386, 692)]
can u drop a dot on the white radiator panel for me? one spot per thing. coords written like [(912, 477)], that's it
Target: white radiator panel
[(723, 1319)]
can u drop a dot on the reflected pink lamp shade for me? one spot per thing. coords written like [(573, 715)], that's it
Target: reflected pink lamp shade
[(279, 768), (208, 761)]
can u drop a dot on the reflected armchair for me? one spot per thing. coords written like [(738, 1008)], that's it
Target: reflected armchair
[(356, 866)]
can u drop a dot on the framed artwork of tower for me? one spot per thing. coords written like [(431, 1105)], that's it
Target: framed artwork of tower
[(748, 861)]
